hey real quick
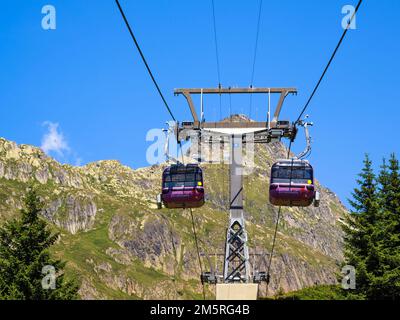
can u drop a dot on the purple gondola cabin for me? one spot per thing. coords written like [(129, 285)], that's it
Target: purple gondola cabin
[(182, 187), (292, 184)]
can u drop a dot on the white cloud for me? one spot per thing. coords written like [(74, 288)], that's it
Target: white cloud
[(54, 140), (78, 161), (55, 144)]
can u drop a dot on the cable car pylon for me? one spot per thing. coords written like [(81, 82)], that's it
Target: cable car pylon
[(237, 280)]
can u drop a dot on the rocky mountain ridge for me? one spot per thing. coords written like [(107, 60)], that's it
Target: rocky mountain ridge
[(120, 246)]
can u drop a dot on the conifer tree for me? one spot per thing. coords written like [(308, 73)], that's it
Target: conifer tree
[(24, 255), (385, 280), (393, 199), (360, 228), (372, 232)]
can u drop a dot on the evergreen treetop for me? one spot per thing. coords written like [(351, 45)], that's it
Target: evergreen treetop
[(24, 255)]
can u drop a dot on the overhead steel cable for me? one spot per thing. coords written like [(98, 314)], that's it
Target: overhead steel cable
[(273, 246), (290, 147), (198, 251), (217, 57), (216, 43), (144, 59), (173, 248), (330, 61), (195, 235), (276, 230), (255, 52), (181, 149)]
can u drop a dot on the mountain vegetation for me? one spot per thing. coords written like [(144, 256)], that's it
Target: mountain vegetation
[(117, 245)]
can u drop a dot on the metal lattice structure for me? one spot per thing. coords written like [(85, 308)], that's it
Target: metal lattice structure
[(236, 264)]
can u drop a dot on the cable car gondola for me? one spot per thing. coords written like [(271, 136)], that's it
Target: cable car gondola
[(292, 184), (182, 187)]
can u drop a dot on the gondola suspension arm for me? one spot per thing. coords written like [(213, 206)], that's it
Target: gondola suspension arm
[(168, 133), (307, 149)]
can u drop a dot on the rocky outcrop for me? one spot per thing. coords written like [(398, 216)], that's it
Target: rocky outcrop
[(153, 241), (72, 213)]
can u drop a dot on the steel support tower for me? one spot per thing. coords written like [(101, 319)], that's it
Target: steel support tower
[(236, 263), (236, 256)]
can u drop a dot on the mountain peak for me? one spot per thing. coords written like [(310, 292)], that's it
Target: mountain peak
[(237, 118)]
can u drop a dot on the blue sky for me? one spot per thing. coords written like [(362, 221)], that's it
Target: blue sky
[(87, 77)]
